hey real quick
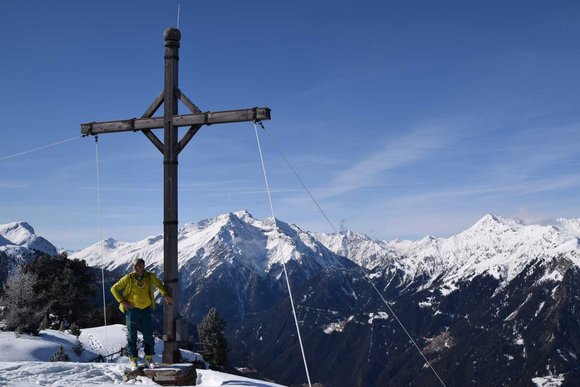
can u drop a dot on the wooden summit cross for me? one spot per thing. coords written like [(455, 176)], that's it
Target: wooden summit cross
[(171, 147)]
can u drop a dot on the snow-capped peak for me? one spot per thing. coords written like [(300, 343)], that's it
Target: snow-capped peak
[(358, 247), (22, 234), (245, 216), (571, 226), (19, 233), (235, 238), (490, 222)]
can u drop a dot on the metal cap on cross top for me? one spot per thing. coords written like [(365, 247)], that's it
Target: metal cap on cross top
[(170, 147), (172, 34)]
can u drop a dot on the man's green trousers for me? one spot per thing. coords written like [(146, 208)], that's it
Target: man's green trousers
[(139, 320)]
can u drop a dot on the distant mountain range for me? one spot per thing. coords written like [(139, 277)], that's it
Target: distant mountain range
[(497, 304)]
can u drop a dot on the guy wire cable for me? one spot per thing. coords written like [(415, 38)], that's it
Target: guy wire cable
[(280, 250), (361, 268), (39, 148)]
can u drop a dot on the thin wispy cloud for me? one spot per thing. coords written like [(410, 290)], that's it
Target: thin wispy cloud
[(524, 187), (540, 147), (401, 152), (13, 185)]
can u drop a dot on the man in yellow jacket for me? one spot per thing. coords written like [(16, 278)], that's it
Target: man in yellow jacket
[(134, 292)]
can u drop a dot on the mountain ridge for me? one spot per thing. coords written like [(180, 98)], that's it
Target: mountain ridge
[(429, 245), (492, 304)]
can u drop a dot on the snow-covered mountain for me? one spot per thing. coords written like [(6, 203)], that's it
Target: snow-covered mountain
[(498, 246), (19, 244), (495, 245), (494, 301), (231, 239), (487, 272), (21, 236), (233, 257)]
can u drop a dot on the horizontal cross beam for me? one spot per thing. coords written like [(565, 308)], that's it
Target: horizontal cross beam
[(207, 118)]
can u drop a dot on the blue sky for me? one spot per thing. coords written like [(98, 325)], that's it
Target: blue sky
[(404, 118)]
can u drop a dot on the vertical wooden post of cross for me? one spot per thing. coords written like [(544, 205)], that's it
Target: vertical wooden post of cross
[(170, 152)]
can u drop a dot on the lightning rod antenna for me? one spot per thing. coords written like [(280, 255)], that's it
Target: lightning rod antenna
[(178, 6)]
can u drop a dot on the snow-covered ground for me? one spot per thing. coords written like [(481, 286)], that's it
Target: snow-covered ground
[(549, 381), (24, 361)]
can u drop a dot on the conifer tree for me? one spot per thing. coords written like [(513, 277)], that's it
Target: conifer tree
[(78, 347), (213, 341), (63, 284), (44, 323), (20, 311), (59, 355), (75, 330)]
